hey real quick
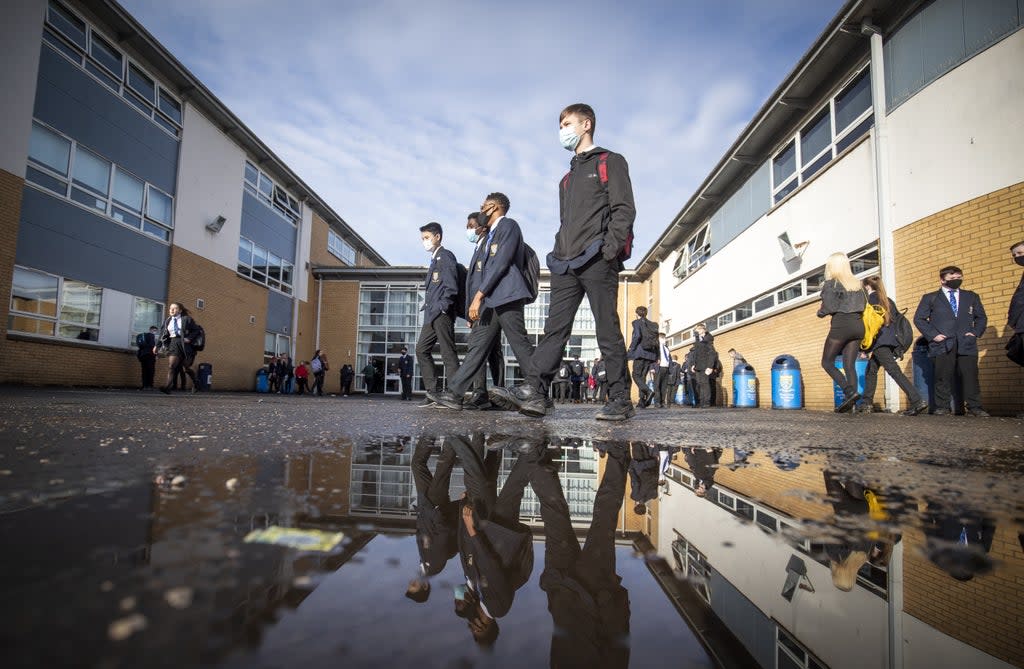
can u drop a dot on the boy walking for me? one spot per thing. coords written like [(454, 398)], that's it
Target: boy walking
[(442, 287)]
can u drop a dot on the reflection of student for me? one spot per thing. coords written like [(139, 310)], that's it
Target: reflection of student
[(643, 476), (702, 463), (436, 516), (845, 558), (588, 605), (959, 541), (496, 549)]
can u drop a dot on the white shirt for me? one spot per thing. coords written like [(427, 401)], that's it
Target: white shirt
[(955, 292), (665, 358), (174, 326)]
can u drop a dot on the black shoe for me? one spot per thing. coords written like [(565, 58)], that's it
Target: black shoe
[(920, 407), (979, 413), (426, 403), (513, 398), (549, 403), (941, 412), (866, 407), (617, 409), (848, 403), (477, 401), (165, 390), (446, 399)]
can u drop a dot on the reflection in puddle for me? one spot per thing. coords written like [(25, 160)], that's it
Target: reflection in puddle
[(513, 551)]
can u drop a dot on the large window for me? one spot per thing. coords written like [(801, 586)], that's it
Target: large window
[(72, 36), (275, 344), (145, 313), (833, 128), (692, 565), (340, 249), (70, 170), (45, 304), (694, 253), (258, 184), (261, 265)]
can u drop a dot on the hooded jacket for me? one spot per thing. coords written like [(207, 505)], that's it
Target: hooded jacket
[(595, 217)]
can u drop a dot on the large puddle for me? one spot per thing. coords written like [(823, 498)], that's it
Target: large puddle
[(483, 550)]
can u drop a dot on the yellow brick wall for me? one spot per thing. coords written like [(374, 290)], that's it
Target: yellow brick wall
[(318, 253), (338, 327), (234, 345), (975, 236), (11, 187), (984, 612), (633, 294)]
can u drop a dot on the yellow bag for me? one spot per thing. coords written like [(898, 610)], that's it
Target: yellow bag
[(874, 319)]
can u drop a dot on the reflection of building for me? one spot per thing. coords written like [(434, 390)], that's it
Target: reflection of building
[(756, 530)]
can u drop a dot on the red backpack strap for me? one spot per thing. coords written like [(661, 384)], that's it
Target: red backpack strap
[(565, 180), (602, 168)]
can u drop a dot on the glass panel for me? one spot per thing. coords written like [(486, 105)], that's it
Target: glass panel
[(815, 136), (811, 170), (49, 149), (88, 199), (786, 190), (30, 325), (244, 252), (791, 645), (170, 107), (286, 274), (158, 206), (273, 267), (786, 662), (134, 99), (266, 187), (92, 171), (165, 124), (855, 134), (106, 55), (61, 46), (80, 303), (128, 190), (34, 292), (744, 311), (141, 83), (789, 293), (156, 230), (784, 164), (67, 23), (251, 173), (765, 302), (259, 263), (126, 217), (144, 314), (46, 181), (853, 101), (104, 76), (78, 332)]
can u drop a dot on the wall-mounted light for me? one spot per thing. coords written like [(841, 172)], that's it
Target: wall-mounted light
[(216, 224), (790, 251), (796, 577)]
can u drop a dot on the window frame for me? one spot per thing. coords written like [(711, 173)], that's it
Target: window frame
[(56, 319), (289, 207), (336, 246), (691, 257), (266, 277)]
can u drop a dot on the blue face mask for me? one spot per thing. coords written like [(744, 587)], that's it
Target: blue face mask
[(569, 139), (471, 236)]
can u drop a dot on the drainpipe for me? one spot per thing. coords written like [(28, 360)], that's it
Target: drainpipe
[(295, 326), (319, 306), (886, 261)]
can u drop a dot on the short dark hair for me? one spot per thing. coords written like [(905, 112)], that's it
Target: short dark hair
[(581, 109), (640, 509), (641, 312), (433, 228), (500, 199), (421, 595), (1020, 243), (950, 269), (489, 635), (475, 216)]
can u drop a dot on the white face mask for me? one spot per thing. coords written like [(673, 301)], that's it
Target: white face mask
[(569, 139), (471, 236), (428, 245)]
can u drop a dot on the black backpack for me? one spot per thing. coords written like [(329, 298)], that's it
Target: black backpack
[(531, 271), (904, 333), (198, 337), (648, 335), (461, 308)]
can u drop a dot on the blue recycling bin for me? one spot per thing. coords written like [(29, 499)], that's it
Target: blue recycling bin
[(262, 382), (204, 376), (787, 390), (861, 366), (744, 386)]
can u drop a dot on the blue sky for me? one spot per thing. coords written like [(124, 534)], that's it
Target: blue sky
[(399, 112)]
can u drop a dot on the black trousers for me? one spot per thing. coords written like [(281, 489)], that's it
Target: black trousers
[(431, 488), (953, 366), (148, 364), (602, 391), (495, 363), (599, 281), (318, 383), (883, 356), (406, 387), (704, 397), (346, 385), (440, 331), (640, 369), (484, 335), (663, 386)]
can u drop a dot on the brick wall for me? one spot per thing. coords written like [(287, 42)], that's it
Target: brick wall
[(318, 253), (976, 236), (338, 325), (984, 612), (234, 345), (11, 187)]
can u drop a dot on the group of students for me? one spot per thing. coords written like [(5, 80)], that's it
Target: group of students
[(593, 240)]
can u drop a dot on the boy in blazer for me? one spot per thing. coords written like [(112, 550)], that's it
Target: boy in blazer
[(441, 288), (951, 320), (499, 294)]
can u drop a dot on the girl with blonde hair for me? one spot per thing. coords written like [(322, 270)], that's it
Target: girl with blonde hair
[(843, 298)]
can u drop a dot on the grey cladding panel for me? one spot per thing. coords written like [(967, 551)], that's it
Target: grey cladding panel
[(87, 111), (56, 236), (752, 627), (279, 313), (741, 210), (263, 226)]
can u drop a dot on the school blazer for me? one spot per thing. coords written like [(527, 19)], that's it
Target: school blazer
[(934, 316), (502, 279), (441, 285)]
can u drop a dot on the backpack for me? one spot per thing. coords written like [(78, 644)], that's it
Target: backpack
[(577, 369), (602, 174), (461, 308), (316, 365), (563, 372), (904, 333), (531, 271), (198, 337), (648, 335), (874, 318)]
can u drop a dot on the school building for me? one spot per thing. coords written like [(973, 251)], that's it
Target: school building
[(896, 139)]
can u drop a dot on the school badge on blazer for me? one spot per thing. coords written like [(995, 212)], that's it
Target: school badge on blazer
[(437, 277), (494, 248)]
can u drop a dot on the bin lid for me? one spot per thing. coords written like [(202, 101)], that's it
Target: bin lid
[(785, 361), (744, 370)]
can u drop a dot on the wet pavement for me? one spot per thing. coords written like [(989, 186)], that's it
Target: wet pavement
[(249, 530)]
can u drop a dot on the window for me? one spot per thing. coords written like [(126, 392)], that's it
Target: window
[(144, 314), (258, 184), (97, 183), (340, 249), (693, 566), (49, 305), (833, 128), (762, 303), (694, 253), (791, 653), (788, 293), (274, 344), (73, 37), (268, 268)]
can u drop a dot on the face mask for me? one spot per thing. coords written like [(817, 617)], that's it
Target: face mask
[(1019, 260), (953, 284), (428, 245), (471, 236), (569, 139)]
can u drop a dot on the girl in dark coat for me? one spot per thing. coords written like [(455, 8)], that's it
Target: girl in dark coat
[(883, 353), (176, 335), (842, 298)]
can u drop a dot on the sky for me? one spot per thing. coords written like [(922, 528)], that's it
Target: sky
[(402, 112)]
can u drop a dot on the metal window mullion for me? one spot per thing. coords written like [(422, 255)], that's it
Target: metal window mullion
[(798, 140)]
